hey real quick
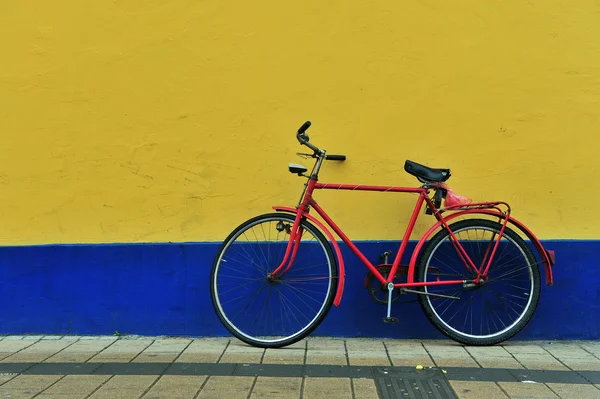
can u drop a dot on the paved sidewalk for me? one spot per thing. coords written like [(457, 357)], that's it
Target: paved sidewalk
[(141, 367)]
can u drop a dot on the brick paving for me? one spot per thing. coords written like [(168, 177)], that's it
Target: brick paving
[(150, 367)]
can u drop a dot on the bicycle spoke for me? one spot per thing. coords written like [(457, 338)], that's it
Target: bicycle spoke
[(270, 308), (238, 297), (243, 274), (304, 291), (489, 310), (265, 310), (295, 291), (297, 269), (291, 304), (241, 278), (247, 257), (236, 287), (251, 302), (256, 255)]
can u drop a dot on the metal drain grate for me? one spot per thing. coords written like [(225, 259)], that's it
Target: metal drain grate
[(425, 384)]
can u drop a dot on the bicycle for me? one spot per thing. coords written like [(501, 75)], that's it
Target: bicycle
[(294, 272)]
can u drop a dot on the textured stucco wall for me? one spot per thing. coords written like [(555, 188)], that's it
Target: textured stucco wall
[(174, 120)]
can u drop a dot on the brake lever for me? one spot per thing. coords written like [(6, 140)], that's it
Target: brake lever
[(304, 155)]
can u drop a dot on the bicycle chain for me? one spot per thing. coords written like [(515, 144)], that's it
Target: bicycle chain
[(374, 286)]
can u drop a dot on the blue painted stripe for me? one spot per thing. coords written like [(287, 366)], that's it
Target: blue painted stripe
[(163, 289)]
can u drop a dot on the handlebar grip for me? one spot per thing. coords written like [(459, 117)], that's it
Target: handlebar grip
[(304, 127), (335, 157)]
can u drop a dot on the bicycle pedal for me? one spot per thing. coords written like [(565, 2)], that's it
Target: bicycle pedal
[(390, 320)]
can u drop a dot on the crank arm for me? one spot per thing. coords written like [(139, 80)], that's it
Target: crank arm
[(428, 294)]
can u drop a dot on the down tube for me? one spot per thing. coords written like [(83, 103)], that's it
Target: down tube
[(347, 241)]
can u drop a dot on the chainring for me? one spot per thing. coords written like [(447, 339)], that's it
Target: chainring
[(377, 291)]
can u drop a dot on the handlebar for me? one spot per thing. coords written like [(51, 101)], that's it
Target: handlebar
[(304, 140), (304, 127)]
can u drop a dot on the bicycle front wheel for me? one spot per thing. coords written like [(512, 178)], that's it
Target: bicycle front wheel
[(272, 312), (490, 312)]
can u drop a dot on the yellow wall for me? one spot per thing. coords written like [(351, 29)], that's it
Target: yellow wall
[(175, 120)]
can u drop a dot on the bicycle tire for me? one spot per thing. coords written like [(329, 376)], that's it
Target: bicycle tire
[(445, 324), (285, 304)]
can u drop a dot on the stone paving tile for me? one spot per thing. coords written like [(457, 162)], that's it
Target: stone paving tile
[(444, 343), (38, 352), (292, 354), (121, 351), (175, 386), (5, 378), (124, 386), (573, 356), (162, 351), (518, 390), (8, 347), (493, 357), (326, 351), (327, 388), (524, 349), (367, 352), (236, 387), (32, 337), (450, 356), (405, 353), (205, 350), (581, 364), (487, 351), (74, 386), (575, 391), (276, 387), (239, 352), (364, 388), (591, 347), (26, 386), (80, 351), (539, 361), (567, 350), (477, 390), (499, 362)]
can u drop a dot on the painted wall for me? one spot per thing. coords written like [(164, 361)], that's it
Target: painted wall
[(173, 121), (162, 289)]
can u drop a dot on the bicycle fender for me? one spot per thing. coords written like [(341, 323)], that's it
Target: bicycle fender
[(547, 256), (336, 248)]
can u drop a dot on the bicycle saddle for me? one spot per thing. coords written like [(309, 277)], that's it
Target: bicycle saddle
[(426, 174)]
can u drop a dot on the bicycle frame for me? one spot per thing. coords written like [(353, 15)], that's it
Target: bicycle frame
[(486, 208)]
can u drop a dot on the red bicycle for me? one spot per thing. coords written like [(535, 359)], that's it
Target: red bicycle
[(276, 276)]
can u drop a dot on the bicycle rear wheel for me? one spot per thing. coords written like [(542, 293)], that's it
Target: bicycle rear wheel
[(489, 313), (263, 311)]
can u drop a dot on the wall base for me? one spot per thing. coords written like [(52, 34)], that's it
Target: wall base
[(163, 289)]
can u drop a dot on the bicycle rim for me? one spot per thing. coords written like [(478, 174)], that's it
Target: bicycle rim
[(265, 312), (491, 312)]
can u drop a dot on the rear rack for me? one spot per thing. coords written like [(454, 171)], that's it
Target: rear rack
[(479, 205)]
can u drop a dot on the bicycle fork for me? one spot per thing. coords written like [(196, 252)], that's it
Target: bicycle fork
[(293, 244)]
